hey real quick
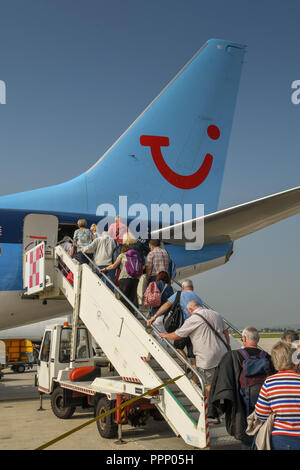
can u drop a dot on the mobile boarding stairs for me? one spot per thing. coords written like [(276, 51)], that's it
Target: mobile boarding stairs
[(142, 361)]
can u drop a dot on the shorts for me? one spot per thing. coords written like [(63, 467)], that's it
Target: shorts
[(207, 374), (185, 342)]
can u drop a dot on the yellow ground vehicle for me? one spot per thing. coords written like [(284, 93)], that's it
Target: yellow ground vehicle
[(19, 354)]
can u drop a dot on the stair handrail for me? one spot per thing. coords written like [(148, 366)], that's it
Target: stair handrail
[(182, 358), (236, 330)]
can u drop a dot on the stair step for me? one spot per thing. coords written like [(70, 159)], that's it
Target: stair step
[(155, 366), (195, 416), (175, 390), (179, 395), (163, 375), (152, 363), (184, 400), (190, 408)]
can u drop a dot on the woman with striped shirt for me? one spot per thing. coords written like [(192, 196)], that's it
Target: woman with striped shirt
[(280, 394)]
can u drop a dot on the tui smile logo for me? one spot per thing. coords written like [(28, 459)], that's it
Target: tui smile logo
[(180, 181)]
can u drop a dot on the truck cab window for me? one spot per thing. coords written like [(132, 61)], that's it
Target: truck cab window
[(65, 345), (45, 350), (82, 345)]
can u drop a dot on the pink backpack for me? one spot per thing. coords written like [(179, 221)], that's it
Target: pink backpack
[(152, 296)]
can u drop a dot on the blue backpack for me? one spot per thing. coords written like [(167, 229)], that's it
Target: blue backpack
[(255, 370)]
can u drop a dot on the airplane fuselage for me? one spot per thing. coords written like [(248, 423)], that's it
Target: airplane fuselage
[(16, 309)]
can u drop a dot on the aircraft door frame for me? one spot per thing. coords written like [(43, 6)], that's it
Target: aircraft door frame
[(39, 228)]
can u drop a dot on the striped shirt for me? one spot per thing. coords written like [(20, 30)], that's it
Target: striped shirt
[(159, 260), (280, 394)]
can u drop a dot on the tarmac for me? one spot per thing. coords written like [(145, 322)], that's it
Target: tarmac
[(23, 427)]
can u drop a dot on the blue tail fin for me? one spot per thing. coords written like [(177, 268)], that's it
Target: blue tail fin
[(173, 153)]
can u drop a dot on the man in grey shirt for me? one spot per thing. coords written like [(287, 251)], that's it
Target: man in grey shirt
[(207, 347), (103, 249)]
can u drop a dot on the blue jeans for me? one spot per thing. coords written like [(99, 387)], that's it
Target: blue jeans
[(81, 258), (285, 443)]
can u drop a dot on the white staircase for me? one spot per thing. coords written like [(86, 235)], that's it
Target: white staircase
[(132, 348), (136, 355)]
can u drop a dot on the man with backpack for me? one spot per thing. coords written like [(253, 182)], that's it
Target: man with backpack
[(236, 385)]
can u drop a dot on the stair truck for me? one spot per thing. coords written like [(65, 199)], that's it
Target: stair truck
[(89, 382), (68, 371)]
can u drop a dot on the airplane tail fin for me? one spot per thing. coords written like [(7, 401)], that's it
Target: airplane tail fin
[(175, 151)]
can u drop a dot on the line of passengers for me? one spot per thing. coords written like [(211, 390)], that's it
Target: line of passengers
[(127, 262)]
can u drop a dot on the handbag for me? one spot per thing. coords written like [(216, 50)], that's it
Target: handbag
[(174, 317), (261, 430), (152, 296)]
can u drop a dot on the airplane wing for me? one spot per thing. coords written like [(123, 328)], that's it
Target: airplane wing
[(236, 222)]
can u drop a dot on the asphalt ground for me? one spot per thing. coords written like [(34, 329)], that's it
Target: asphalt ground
[(23, 427)]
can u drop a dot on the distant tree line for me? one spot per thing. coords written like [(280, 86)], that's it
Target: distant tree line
[(268, 330)]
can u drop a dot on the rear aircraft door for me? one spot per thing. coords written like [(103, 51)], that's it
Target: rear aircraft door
[(39, 228)]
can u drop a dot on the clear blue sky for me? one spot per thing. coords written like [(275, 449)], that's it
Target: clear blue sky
[(79, 72)]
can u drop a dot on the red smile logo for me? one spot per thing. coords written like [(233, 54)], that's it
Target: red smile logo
[(180, 181)]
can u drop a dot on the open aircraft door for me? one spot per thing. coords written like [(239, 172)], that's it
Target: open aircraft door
[(39, 228)]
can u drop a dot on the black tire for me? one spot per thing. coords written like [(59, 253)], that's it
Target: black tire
[(157, 416), (107, 427), (20, 368), (56, 405)]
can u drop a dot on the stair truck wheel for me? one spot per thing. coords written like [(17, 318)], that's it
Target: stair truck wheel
[(20, 368), (57, 405), (107, 427)]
